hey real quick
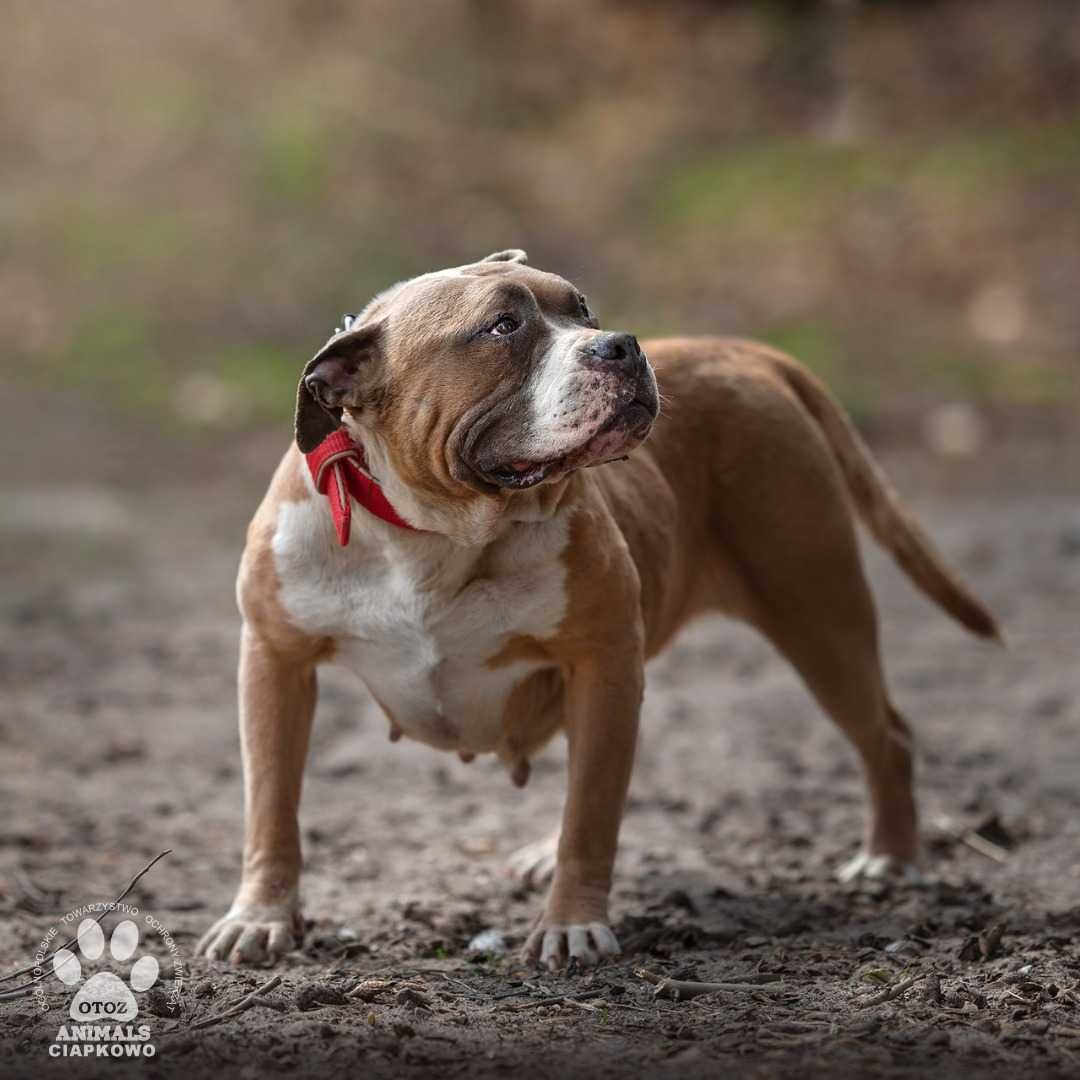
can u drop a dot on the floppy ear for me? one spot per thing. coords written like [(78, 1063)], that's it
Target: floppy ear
[(330, 381), (515, 255)]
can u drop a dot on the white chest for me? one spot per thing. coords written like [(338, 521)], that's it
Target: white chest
[(417, 619)]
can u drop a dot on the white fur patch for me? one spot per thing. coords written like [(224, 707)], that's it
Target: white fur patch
[(410, 616), (554, 373), (568, 402)]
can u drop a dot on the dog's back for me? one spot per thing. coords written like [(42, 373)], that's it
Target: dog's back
[(751, 450)]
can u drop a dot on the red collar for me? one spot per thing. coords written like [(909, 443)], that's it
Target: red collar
[(339, 470)]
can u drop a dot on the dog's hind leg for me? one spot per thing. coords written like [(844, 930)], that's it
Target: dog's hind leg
[(816, 608), (802, 585), (844, 674)]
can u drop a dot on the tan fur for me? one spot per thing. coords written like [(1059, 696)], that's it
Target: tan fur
[(739, 502)]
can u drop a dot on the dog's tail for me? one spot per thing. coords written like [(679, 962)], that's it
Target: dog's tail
[(880, 508)]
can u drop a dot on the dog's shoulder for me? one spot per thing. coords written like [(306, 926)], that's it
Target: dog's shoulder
[(258, 583)]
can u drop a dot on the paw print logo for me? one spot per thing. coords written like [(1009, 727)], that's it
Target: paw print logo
[(105, 996)]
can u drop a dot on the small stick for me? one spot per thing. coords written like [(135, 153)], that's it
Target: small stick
[(747, 978), (892, 992), (238, 1008), (26, 988), (984, 847), (973, 839), (682, 990), (460, 982), (555, 999), (584, 1005)]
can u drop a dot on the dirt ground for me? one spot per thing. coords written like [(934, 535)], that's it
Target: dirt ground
[(118, 740)]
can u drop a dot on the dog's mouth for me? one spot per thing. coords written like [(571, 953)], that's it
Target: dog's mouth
[(626, 430), (525, 474)]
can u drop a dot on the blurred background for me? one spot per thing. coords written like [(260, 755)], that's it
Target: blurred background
[(193, 192)]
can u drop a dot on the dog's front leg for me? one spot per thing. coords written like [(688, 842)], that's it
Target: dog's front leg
[(603, 705), (277, 703)]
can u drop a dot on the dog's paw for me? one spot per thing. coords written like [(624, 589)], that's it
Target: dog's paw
[(533, 866), (252, 934), (868, 866), (555, 946)]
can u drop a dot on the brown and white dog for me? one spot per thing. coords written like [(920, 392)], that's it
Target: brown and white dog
[(530, 590)]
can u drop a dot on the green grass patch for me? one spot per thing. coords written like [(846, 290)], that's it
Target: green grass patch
[(122, 360), (788, 182), (981, 376), (111, 353), (825, 350), (261, 375), (293, 158), (968, 161)]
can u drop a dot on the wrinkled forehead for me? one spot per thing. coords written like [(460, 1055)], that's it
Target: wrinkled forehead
[(445, 300)]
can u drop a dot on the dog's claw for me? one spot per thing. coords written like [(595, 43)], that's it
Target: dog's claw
[(869, 866), (251, 936), (583, 945)]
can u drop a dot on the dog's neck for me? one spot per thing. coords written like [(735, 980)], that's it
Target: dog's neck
[(339, 472), (474, 521)]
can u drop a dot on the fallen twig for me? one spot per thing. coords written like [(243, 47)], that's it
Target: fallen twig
[(46, 965), (583, 1005), (983, 846), (684, 990), (462, 983), (555, 999), (973, 839), (890, 993), (238, 1008)]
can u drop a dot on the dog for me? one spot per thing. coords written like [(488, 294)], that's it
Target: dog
[(441, 527)]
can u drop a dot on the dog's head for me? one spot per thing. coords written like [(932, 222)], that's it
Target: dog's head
[(482, 380)]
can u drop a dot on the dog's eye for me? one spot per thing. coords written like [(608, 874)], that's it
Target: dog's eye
[(505, 324), (586, 314)]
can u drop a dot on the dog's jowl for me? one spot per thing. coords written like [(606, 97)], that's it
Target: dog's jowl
[(489, 516)]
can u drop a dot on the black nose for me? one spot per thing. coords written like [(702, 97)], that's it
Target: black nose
[(615, 352)]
